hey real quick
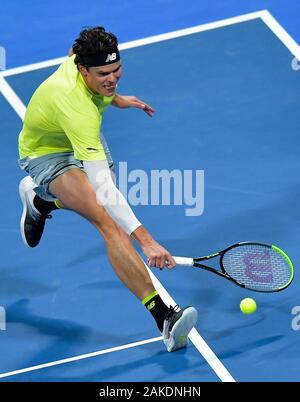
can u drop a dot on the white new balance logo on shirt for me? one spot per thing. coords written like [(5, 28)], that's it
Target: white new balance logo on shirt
[(111, 57)]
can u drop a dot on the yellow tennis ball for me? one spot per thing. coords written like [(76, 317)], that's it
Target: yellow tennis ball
[(248, 305)]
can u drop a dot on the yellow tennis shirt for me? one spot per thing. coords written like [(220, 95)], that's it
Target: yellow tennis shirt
[(63, 115)]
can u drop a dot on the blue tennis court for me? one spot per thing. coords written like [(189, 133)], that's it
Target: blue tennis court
[(227, 101)]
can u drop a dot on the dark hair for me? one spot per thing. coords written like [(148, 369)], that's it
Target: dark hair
[(93, 40)]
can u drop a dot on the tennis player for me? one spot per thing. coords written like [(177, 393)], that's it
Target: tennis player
[(69, 166)]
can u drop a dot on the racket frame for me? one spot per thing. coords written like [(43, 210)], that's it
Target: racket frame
[(224, 274)]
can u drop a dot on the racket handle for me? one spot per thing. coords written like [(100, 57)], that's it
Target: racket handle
[(184, 261)]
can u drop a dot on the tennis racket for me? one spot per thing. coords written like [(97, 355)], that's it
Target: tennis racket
[(254, 266)]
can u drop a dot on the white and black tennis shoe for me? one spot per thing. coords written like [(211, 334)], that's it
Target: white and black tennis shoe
[(32, 221), (177, 325)]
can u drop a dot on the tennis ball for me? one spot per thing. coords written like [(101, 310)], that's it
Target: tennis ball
[(248, 305)]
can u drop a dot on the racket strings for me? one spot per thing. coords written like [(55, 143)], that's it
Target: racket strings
[(257, 267)]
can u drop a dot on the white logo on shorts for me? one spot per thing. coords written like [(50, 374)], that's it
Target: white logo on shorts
[(111, 57)]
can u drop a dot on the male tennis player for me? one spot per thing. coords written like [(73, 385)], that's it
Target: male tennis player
[(69, 167)]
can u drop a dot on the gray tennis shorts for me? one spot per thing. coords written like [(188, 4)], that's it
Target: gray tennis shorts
[(46, 168)]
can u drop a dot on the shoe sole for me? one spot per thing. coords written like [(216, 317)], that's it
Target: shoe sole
[(24, 186), (182, 328)]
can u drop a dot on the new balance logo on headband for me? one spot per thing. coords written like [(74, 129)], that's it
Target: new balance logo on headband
[(111, 57), (101, 58)]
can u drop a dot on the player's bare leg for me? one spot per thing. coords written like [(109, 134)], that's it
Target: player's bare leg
[(74, 191)]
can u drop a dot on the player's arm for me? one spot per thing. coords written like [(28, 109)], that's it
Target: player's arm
[(124, 102), (74, 122), (116, 205)]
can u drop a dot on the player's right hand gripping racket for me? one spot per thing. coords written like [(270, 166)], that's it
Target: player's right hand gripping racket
[(254, 266)]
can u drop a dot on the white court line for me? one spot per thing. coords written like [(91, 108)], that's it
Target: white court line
[(281, 33), (268, 19), (12, 98), (18, 106), (195, 337), (144, 41), (81, 357)]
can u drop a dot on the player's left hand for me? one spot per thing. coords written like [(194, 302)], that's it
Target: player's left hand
[(124, 102)]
